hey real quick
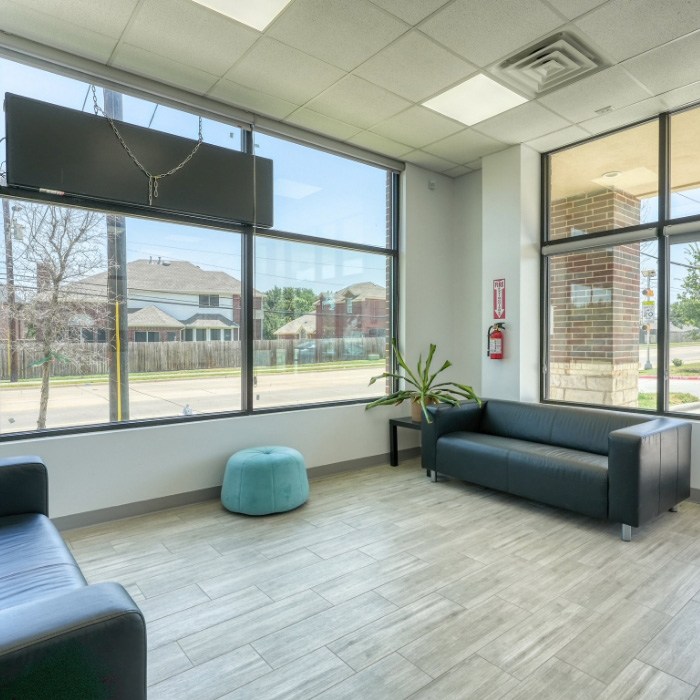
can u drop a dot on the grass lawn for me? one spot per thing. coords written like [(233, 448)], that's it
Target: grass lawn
[(648, 400)]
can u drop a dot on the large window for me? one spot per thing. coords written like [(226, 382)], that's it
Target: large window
[(622, 260), (107, 318)]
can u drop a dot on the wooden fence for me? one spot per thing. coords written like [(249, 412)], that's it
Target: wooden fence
[(82, 359)]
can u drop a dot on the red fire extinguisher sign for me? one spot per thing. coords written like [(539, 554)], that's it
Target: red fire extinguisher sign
[(499, 299)]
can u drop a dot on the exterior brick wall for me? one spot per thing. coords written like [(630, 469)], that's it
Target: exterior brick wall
[(590, 212), (594, 302)]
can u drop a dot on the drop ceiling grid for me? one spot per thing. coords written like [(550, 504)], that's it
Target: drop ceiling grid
[(358, 71)]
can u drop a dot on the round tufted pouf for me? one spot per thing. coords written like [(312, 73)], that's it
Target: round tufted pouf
[(262, 480)]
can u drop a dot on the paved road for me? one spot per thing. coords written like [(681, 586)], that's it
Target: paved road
[(87, 404)]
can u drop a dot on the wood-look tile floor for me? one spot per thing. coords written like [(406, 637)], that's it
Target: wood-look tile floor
[(387, 586)]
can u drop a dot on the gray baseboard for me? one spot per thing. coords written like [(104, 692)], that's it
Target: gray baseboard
[(130, 510)]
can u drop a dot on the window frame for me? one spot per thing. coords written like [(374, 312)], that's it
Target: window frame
[(247, 235), (663, 231)]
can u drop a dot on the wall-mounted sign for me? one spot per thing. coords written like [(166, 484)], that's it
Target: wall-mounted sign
[(64, 151), (499, 299)]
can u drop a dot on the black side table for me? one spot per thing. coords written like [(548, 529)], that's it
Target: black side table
[(394, 424)]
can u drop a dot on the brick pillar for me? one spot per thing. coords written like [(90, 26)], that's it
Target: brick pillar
[(594, 298)]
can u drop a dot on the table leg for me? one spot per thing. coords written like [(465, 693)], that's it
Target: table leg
[(393, 446)]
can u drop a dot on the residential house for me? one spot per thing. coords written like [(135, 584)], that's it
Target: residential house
[(171, 300)]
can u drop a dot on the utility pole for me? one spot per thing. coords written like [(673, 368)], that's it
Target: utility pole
[(117, 296), (12, 356)]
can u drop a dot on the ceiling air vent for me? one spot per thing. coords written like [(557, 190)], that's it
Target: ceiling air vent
[(550, 64)]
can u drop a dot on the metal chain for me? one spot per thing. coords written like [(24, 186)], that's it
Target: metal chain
[(152, 179)]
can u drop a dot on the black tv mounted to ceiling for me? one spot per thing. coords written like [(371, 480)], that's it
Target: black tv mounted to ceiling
[(63, 151)]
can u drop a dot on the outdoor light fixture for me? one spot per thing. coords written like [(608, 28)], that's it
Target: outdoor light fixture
[(256, 14), (474, 100)]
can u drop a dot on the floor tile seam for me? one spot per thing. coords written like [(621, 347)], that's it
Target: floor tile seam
[(588, 673), (218, 656), (665, 672), (151, 620), (219, 620)]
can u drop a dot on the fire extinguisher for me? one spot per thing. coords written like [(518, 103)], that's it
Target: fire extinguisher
[(494, 335)]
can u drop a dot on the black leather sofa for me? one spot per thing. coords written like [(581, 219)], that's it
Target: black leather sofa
[(627, 468), (59, 637)]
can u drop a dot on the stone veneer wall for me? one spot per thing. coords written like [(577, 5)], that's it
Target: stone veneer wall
[(594, 298)]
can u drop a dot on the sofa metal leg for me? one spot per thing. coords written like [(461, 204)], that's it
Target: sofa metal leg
[(674, 509), (626, 533), (433, 475)]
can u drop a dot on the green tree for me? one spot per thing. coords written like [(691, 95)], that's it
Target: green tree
[(686, 310), (283, 304)]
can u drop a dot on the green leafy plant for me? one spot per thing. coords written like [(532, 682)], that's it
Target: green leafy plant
[(677, 362), (420, 386)]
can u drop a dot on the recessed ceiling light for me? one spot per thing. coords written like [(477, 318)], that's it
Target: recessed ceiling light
[(257, 14), (474, 100)]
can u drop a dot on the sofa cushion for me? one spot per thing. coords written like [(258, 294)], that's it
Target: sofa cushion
[(34, 560), (585, 429), (513, 419), (475, 457), (559, 476)]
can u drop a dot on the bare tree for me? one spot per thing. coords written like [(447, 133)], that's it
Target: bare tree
[(61, 247)]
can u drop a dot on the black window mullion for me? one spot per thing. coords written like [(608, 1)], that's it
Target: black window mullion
[(662, 349)]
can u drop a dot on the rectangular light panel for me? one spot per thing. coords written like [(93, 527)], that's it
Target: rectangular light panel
[(474, 100), (255, 13)]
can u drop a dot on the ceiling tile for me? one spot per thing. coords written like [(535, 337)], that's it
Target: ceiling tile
[(253, 100), (485, 31), (466, 146), (56, 32), (137, 60), (321, 124), (622, 28), (580, 100), (429, 161), (411, 11), (458, 171), (281, 70), (623, 117), (670, 66), (417, 127), (190, 34), (109, 19), (522, 123), (415, 67), (475, 164), (380, 144), (574, 8), (339, 32), (688, 94), (356, 101), (557, 139)]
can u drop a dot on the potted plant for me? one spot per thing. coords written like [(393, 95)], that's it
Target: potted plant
[(420, 387)]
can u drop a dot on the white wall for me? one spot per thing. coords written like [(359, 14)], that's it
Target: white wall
[(510, 251), (112, 468), (92, 471), (426, 264)]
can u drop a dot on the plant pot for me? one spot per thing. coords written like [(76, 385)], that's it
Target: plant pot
[(416, 412)]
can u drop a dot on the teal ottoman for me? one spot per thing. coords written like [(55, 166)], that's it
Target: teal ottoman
[(263, 480)]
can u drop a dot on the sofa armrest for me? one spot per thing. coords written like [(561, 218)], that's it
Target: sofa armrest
[(648, 469), (89, 642), (446, 419), (24, 486)]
